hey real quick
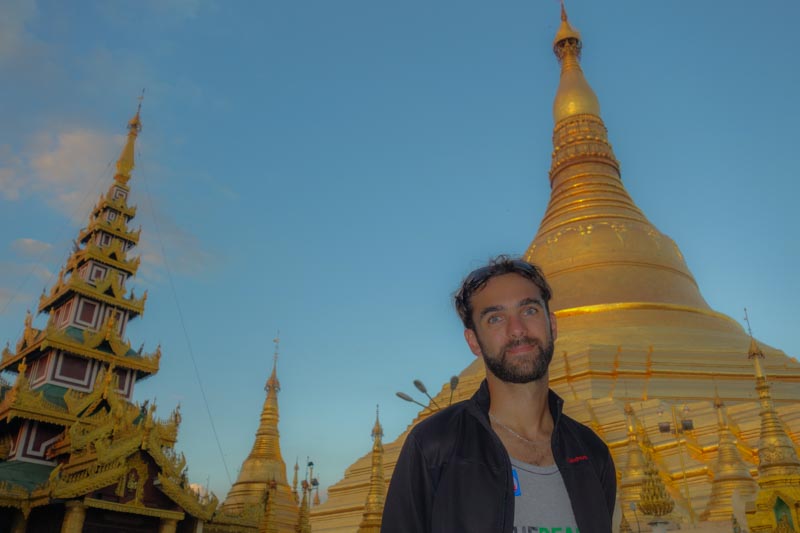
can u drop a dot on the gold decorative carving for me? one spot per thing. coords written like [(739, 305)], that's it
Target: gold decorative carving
[(196, 505), (117, 227), (108, 291), (87, 481), (109, 333), (131, 509), (53, 337)]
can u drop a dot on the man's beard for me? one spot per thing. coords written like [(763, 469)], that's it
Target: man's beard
[(524, 373)]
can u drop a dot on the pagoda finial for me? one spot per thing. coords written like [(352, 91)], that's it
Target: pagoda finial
[(126, 163), (574, 95), (377, 430), (754, 352), (373, 507), (294, 479), (272, 383)]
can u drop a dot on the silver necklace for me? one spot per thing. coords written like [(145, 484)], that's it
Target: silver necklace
[(520, 437)]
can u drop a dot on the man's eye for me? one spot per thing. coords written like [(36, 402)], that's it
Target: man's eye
[(494, 319), (530, 311)]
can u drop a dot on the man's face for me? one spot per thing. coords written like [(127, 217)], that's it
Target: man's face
[(514, 332)]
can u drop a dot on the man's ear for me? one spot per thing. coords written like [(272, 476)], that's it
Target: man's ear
[(472, 341)]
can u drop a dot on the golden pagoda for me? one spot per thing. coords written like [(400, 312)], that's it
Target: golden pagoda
[(633, 329), (777, 504), (75, 452), (731, 474), (261, 484), (376, 496)]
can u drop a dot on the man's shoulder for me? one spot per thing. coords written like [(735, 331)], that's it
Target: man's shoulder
[(583, 434), (441, 422), (437, 433)]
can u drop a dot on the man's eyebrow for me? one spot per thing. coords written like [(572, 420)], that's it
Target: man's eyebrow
[(491, 309), (529, 301)]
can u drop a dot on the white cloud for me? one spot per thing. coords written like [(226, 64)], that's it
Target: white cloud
[(70, 168), (31, 247)]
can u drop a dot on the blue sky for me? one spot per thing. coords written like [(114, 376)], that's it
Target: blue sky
[(331, 169)]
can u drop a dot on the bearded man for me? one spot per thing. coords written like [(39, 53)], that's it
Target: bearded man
[(507, 460)]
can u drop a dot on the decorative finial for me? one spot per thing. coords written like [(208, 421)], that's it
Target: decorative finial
[(141, 96), (747, 320), (377, 429), (126, 163), (272, 383), (754, 352), (277, 341), (563, 12)]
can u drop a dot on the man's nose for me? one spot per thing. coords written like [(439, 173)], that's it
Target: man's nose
[(516, 327)]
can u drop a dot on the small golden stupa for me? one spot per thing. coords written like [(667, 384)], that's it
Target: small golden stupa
[(261, 497), (634, 330)]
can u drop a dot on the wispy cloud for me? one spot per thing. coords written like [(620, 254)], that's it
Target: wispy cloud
[(31, 247), (68, 168)]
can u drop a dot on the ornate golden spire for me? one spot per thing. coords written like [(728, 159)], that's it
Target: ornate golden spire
[(265, 464), (126, 163), (778, 464), (777, 457), (574, 95), (272, 383), (655, 500), (294, 480), (373, 508), (303, 525), (730, 472), (595, 245)]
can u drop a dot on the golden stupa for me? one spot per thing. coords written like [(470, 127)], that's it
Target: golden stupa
[(261, 498), (635, 331)]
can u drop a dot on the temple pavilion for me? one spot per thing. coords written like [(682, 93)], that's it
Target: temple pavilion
[(699, 416), (76, 454)]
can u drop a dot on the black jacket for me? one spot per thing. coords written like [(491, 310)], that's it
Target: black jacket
[(454, 474)]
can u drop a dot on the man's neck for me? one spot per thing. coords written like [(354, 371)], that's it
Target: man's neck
[(521, 407)]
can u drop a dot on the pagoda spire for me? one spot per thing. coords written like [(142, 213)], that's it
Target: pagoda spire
[(373, 508), (265, 463), (574, 96), (591, 223), (778, 464), (777, 457), (126, 161), (303, 524), (730, 473)]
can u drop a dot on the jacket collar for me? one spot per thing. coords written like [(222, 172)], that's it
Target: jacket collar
[(482, 400)]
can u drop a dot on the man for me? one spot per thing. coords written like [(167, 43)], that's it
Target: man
[(506, 460)]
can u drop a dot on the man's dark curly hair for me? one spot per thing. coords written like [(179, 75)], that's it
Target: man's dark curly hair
[(502, 264)]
